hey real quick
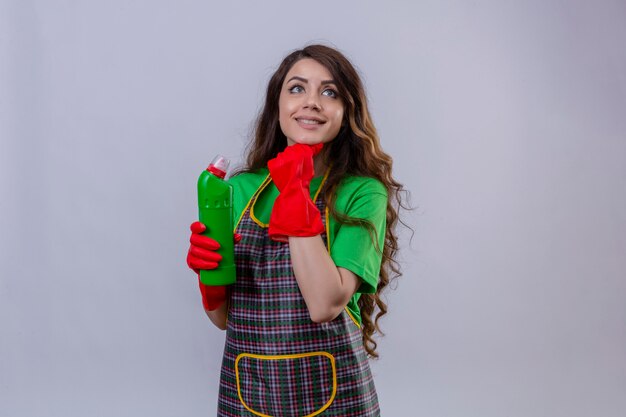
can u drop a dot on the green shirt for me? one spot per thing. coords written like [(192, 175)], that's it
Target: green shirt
[(350, 246)]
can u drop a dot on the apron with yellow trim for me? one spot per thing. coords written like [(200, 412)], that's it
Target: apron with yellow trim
[(277, 362)]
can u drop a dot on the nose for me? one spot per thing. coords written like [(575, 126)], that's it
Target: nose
[(313, 102)]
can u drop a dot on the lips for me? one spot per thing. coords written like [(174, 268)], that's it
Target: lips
[(309, 124), (310, 120)]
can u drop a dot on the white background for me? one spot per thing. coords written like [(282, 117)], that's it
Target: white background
[(506, 121)]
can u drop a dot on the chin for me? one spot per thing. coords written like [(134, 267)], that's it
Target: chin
[(307, 141)]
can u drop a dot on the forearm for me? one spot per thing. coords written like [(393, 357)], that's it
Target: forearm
[(325, 288), (219, 316)]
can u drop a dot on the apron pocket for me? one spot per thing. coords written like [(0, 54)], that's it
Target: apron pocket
[(299, 385)]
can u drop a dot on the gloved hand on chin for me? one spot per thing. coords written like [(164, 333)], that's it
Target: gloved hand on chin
[(294, 213), (202, 255)]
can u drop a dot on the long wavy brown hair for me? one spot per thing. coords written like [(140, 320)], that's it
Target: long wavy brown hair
[(355, 151)]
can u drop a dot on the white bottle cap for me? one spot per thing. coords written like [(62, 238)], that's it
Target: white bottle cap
[(219, 166)]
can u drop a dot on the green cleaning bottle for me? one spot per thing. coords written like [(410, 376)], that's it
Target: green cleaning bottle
[(215, 204)]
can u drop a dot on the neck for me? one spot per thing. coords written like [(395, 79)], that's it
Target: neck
[(319, 165)]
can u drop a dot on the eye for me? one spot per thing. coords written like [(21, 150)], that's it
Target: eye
[(296, 89), (329, 92)]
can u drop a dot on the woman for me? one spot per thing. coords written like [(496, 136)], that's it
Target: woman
[(316, 248)]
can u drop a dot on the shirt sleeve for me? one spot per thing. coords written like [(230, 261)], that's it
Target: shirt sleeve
[(356, 247)]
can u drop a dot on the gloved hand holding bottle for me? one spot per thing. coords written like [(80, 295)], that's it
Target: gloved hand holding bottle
[(202, 255), (294, 213), (212, 234)]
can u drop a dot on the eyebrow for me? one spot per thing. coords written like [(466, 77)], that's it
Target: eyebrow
[(304, 80)]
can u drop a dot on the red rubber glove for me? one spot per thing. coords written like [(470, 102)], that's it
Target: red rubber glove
[(202, 255), (294, 213)]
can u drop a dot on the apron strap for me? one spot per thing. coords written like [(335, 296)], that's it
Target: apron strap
[(253, 198)]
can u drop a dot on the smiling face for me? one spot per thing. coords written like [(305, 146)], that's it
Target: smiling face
[(309, 107)]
